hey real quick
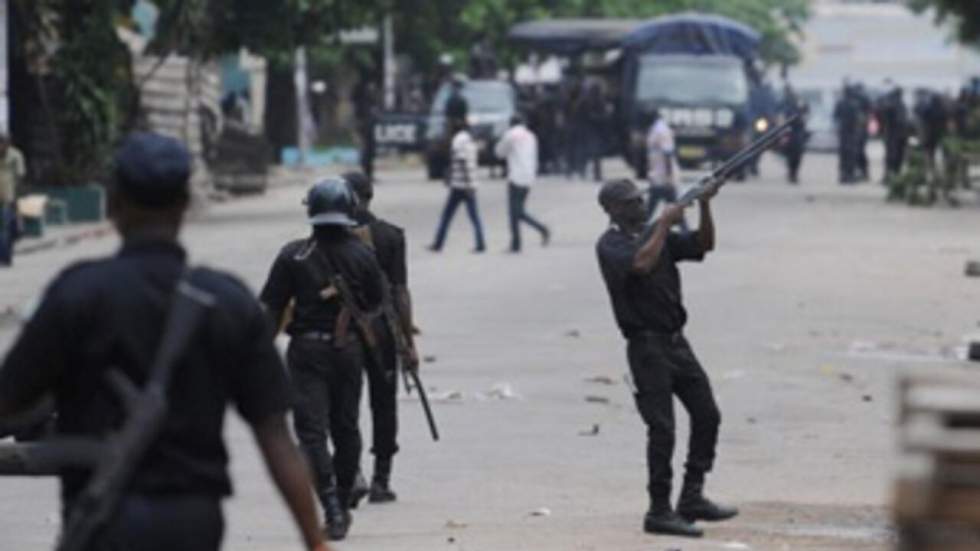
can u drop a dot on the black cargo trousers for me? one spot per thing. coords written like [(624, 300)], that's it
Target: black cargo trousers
[(663, 366), (383, 393), (327, 383)]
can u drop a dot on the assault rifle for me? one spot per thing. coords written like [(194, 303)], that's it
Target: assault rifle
[(402, 344), (114, 459), (720, 175)]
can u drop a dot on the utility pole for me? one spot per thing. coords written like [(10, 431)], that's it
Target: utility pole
[(300, 80), (4, 68), (388, 63)]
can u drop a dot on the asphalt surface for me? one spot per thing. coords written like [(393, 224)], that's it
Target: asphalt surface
[(816, 298)]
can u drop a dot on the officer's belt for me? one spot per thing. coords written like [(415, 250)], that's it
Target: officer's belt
[(672, 338), (315, 336)]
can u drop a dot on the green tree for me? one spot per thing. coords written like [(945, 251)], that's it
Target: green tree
[(965, 15)]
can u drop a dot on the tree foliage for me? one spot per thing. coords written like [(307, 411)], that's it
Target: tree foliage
[(964, 13)]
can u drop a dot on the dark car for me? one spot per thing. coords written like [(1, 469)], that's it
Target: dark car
[(491, 105)]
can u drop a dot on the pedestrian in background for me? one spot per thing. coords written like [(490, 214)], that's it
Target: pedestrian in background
[(12, 173), (794, 145), (462, 183), (519, 146), (661, 166), (366, 102), (847, 120), (896, 128)]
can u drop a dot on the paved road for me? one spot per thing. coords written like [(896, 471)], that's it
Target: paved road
[(816, 297)]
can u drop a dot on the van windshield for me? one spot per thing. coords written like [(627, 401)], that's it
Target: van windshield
[(692, 81)]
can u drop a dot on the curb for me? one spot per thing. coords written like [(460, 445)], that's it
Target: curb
[(66, 240)]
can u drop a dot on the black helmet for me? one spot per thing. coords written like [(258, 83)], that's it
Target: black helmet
[(331, 202), (360, 184)]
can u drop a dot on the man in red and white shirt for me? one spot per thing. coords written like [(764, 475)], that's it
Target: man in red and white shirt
[(519, 146)]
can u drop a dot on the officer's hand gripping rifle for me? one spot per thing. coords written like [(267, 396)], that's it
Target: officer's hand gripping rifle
[(114, 460), (720, 175)]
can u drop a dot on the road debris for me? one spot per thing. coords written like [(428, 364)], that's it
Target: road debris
[(594, 431), (574, 334), (601, 379), (867, 398), (500, 391), (540, 512), (436, 395), (846, 377), (429, 359), (597, 399), (973, 268), (455, 524)]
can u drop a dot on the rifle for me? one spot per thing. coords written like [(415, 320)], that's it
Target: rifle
[(719, 176), (402, 345), (114, 460)]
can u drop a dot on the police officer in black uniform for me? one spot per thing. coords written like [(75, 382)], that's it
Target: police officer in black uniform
[(639, 266), (457, 107), (847, 116), (109, 313), (388, 243), (326, 352)]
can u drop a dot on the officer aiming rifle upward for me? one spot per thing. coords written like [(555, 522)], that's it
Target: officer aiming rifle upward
[(639, 267)]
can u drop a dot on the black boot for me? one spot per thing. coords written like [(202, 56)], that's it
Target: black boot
[(665, 521), (692, 505), (338, 518), (380, 492), (358, 492)]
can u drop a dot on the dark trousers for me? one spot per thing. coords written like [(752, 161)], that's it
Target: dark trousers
[(383, 395), (327, 392), (368, 150), (794, 157), (662, 367), (846, 157), (456, 198), (164, 523), (516, 201), (894, 155), (8, 233)]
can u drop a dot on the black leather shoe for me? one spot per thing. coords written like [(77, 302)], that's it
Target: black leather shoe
[(699, 507), (380, 492), (669, 523), (338, 518)]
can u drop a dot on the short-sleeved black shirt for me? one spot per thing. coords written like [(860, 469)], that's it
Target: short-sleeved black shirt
[(110, 313), (388, 242), (291, 279), (646, 302)]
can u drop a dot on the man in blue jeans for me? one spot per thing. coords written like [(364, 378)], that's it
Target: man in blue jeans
[(461, 179), (519, 147)]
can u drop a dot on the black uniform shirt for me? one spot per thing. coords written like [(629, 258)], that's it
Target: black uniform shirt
[(650, 302), (110, 313), (292, 279), (388, 242), (456, 106)]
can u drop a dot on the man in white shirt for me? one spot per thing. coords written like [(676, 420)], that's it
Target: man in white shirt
[(12, 171), (461, 180), (519, 146), (661, 172)]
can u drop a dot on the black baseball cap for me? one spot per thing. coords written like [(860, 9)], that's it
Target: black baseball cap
[(153, 170), (616, 191)]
